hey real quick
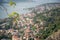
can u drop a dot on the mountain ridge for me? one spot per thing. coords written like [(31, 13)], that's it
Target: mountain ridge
[(44, 7)]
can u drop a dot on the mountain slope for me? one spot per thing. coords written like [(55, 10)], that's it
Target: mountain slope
[(50, 19), (54, 36)]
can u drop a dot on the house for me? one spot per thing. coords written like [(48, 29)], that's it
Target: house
[(15, 37)]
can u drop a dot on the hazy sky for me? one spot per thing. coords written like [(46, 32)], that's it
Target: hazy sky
[(42, 1), (31, 1), (21, 4)]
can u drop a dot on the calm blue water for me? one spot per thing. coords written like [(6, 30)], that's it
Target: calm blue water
[(21, 4)]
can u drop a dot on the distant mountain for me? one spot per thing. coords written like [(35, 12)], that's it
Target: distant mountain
[(45, 7)]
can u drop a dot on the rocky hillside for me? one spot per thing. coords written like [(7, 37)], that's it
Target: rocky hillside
[(54, 36), (48, 17)]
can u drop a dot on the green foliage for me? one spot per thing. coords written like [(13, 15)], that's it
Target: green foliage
[(15, 17), (13, 14), (33, 28), (52, 19), (11, 3)]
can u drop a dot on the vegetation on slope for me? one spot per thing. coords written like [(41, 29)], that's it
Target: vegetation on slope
[(52, 20)]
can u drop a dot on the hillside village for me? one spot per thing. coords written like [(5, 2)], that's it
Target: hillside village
[(43, 21)]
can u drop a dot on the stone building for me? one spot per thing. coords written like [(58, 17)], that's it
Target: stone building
[(28, 33), (15, 37)]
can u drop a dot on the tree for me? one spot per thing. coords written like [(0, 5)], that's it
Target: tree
[(11, 3), (15, 17)]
